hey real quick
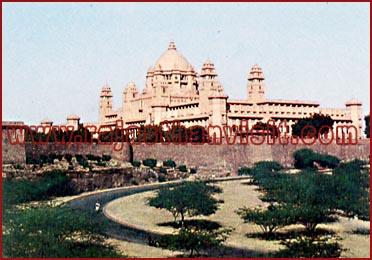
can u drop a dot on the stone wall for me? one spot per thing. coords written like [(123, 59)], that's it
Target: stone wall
[(232, 157), (205, 157), (12, 154)]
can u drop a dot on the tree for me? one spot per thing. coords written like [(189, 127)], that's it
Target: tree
[(317, 121), (189, 198), (367, 130), (52, 232), (305, 158), (351, 189), (170, 163), (194, 239), (309, 247), (269, 219)]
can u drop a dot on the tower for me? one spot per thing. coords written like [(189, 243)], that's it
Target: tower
[(256, 85), (105, 103), (212, 96), (354, 106)]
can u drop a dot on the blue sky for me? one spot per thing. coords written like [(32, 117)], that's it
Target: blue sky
[(57, 56)]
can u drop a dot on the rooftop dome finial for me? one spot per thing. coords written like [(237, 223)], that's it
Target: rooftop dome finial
[(172, 46)]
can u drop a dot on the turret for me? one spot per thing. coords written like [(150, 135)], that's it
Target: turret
[(256, 85), (106, 104), (211, 95), (354, 106)]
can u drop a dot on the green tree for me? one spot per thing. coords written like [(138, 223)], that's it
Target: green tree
[(150, 162), (367, 130), (52, 232), (195, 239), (351, 189), (305, 158), (317, 121), (170, 163), (269, 219), (187, 199)]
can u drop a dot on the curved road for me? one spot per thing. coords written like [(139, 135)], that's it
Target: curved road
[(86, 203)]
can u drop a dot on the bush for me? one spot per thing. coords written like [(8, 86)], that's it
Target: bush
[(136, 164), (192, 170), (169, 163), (182, 168), (68, 157), (309, 248), (162, 178), (101, 163), (163, 170), (244, 171), (305, 158), (326, 160), (93, 157), (269, 165), (106, 157), (79, 158), (52, 232), (30, 160), (150, 162), (53, 183), (19, 167)]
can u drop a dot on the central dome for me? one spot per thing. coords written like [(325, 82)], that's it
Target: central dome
[(172, 60)]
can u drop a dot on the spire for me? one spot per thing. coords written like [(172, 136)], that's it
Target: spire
[(172, 46), (208, 69)]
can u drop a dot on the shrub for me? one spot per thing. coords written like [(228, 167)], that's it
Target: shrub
[(326, 160), (162, 178), (192, 170), (305, 158), (182, 168), (79, 158), (163, 170), (19, 167), (106, 157), (150, 162), (169, 163), (68, 157), (101, 163), (30, 160), (269, 165), (93, 157), (136, 164), (309, 248), (244, 171)]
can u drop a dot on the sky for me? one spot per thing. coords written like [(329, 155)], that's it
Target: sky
[(57, 56)]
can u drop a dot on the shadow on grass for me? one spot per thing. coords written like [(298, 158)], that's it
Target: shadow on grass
[(289, 235), (198, 223), (361, 231)]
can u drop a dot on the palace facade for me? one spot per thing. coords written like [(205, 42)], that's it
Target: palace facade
[(174, 91)]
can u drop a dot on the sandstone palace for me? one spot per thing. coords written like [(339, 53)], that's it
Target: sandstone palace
[(175, 91)]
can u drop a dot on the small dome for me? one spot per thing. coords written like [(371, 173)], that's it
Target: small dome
[(256, 72), (353, 102), (46, 121), (172, 60), (131, 87), (106, 91), (208, 69), (73, 117)]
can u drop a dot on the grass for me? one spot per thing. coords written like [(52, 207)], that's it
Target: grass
[(133, 210)]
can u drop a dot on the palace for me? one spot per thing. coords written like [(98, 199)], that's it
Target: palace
[(175, 92)]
